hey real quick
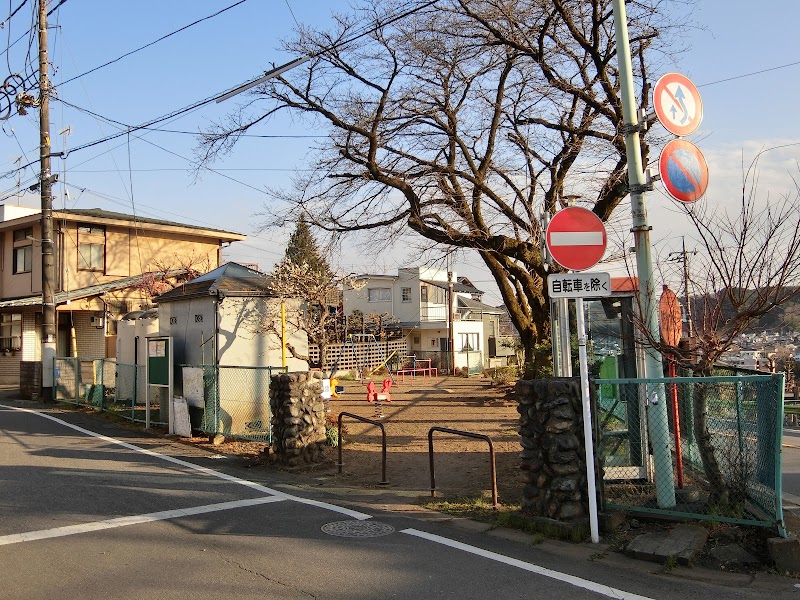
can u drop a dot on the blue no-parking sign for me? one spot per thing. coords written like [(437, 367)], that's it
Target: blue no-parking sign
[(683, 171)]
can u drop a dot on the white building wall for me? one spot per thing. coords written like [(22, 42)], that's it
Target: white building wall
[(473, 357), (358, 299), (240, 342), (192, 325)]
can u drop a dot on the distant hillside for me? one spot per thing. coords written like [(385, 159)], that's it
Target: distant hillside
[(786, 316)]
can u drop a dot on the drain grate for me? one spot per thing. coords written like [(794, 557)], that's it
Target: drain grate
[(357, 529)]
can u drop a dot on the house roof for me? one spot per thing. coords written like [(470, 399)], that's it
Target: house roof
[(457, 286), (105, 216), (471, 304), (87, 292), (231, 279)]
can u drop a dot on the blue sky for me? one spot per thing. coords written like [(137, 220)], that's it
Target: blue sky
[(151, 171)]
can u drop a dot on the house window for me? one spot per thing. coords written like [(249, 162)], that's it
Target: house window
[(91, 247), (91, 230), (423, 293), (91, 257), (468, 341), (406, 294), (23, 250), (10, 331), (417, 340), (21, 235), (23, 259), (380, 294)]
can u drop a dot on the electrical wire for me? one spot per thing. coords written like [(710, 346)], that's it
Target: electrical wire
[(154, 42), (767, 70), (213, 98)]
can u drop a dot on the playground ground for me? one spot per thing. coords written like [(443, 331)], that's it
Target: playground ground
[(462, 464)]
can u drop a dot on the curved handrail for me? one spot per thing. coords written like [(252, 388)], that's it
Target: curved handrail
[(383, 440), (469, 434)]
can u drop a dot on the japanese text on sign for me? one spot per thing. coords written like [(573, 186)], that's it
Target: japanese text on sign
[(579, 285)]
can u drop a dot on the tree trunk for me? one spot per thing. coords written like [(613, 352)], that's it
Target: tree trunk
[(719, 489)]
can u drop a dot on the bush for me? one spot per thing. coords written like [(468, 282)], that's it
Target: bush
[(505, 375)]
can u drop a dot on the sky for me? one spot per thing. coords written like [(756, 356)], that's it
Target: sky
[(741, 60)]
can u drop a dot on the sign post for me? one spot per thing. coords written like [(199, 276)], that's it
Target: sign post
[(578, 285), (657, 420), (671, 325), (576, 239), (159, 374)]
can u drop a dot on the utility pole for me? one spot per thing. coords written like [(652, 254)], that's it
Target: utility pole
[(683, 255), (658, 425), (48, 272)]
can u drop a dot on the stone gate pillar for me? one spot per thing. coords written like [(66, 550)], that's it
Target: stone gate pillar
[(553, 453), (298, 417)]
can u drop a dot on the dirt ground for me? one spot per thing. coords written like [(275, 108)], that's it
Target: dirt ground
[(462, 465)]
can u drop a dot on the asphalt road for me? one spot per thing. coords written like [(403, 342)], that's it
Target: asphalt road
[(790, 459), (88, 510)]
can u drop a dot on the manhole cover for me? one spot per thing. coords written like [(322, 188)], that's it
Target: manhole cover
[(357, 529)]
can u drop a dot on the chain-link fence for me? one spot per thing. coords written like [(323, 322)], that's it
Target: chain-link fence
[(724, 459), (234, 400), (111, 387)]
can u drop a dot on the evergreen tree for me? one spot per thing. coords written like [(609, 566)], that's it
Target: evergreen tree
[(302, 250)]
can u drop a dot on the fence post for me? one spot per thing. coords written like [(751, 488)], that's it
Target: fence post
[(76, 368)]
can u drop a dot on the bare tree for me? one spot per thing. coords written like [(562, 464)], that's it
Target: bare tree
[(165, 274), (462, 121), (748, 264), (317, 317)]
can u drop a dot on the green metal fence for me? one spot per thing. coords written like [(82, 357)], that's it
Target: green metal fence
[(726, 462), (228, 400), (109, 386)]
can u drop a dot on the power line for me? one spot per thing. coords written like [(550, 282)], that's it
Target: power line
[(217, 96), (13, 12), (161, 39), (767, 70), (277, 71)]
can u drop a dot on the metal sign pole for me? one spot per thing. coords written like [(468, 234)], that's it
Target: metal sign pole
[(588, 441), (658, 424)]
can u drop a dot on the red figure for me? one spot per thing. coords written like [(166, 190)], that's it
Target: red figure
[(387, 384), (371, 393)]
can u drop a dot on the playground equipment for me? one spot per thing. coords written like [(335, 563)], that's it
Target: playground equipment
[(379, 398), (369, 349)]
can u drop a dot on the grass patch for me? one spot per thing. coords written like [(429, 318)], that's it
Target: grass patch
[(480, 509)]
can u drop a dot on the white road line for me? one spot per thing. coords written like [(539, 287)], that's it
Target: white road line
[(43, 534), (205, 470), (564, 577), (576, 238)]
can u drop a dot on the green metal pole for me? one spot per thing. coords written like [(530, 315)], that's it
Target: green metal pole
[(658, 424)]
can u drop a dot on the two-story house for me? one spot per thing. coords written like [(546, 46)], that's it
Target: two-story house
[(103, 264), (417, 299)]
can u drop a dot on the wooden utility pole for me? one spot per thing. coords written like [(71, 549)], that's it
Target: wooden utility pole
[(48, 331)]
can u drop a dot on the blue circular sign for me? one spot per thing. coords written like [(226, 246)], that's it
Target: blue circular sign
[(683, 170)]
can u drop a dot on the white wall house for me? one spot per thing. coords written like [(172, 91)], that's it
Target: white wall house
[(417, 299)]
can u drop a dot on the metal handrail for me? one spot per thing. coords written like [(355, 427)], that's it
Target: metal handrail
[(383, 441), (469, 434)]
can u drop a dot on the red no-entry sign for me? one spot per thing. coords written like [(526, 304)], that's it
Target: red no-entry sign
[(576, 238)]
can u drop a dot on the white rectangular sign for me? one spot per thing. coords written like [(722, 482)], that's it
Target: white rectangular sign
[(579, 285)]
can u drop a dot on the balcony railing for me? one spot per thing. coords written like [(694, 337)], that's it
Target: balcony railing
[(429, 314)]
